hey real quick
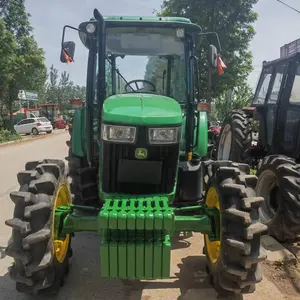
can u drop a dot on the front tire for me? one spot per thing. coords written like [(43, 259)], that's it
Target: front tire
[(233, 261), (36, 269), (279, 184)]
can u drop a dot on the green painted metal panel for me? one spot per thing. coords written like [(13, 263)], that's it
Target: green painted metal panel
[(123, 21), (141, 109), (104, 258), (133, 242), (78, 133), (201, 147), (126, 19)]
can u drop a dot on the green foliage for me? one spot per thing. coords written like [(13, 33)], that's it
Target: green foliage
[(232, 20), (5, 123), (61, 90), (26, 69), (238, 98), (7, 136)]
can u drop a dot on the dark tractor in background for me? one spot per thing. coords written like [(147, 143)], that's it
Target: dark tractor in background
[(275, 115)]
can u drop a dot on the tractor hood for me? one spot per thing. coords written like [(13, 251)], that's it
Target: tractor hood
[(141, 109)]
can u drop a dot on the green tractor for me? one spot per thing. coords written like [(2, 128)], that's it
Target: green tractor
[(137, 163)]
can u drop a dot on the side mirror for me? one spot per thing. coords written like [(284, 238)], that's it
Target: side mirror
[(67, 52), (212, 56)]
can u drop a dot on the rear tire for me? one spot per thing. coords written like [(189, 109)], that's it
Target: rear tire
[(49, 132), (35, 268), (235, 138), (35, 131), (234, 266), (279, 184)]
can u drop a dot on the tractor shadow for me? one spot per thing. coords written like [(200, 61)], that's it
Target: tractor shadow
[(188, 280)]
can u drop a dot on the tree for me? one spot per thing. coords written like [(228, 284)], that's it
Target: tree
[(28, 68), (61, 90), (8, 47), (236, 98), (232, 20)]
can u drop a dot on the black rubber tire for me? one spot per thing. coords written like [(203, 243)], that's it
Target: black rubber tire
[(35, 269), (49, 132), (237, 269), (35, 131), (284, 223), (241, 128), (84, 179)]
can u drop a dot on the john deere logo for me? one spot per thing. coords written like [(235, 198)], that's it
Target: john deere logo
[(141, 153)]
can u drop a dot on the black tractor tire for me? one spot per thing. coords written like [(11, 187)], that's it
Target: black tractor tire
[(240, 126), (84, 179), (279, 184), (35, 268), (236, 270)]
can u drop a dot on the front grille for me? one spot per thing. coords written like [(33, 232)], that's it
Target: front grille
[(154, 175)]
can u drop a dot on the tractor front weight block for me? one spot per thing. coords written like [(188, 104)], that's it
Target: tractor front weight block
[(135, 234)]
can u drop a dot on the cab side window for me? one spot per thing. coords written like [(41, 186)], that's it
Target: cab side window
[(295, 94), (263, 87)]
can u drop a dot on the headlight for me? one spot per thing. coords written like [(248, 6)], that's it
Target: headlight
[(169, 135), (121, 134)]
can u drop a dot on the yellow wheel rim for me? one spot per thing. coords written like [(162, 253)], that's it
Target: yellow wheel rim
[(62, 198), (212, 248)]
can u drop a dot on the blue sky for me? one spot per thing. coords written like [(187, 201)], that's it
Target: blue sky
[(276, 26)]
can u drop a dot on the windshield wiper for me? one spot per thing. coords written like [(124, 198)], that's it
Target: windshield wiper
[(117, 71)]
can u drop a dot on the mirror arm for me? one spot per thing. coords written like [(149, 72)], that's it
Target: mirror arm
[(64, 33), (215, 34)]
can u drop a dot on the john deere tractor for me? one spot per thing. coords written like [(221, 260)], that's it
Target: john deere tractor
[(137, 168), (274, 117)]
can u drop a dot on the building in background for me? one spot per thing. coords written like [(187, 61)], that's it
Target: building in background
[(290, 48)]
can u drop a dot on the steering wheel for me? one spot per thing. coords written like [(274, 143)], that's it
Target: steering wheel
[(129, 88)]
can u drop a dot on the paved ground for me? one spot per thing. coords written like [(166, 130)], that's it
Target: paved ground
[(188, 265)]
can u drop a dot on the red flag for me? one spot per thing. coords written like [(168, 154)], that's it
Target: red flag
[(221, 65), (67, 57)]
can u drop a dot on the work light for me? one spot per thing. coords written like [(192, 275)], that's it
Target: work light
[(170, 135), (121, 134), (90, 28)]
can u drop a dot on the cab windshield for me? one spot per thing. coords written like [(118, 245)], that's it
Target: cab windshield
[(150, 60)]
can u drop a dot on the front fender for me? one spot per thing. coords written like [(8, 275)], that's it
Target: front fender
[(78, 133)]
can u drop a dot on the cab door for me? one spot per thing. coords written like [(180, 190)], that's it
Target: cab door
[(273, 103), (289, 112)]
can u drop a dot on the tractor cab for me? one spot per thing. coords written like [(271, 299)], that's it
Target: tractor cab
[(277, 103), (143, 83)]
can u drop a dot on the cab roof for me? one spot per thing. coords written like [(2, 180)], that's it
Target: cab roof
[(150, 21)]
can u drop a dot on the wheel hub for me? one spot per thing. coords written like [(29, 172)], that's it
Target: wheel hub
[(212, 248), (225, 143), (60, 247), (268, 189)]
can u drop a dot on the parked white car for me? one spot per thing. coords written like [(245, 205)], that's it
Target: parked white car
[(34, 126)]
